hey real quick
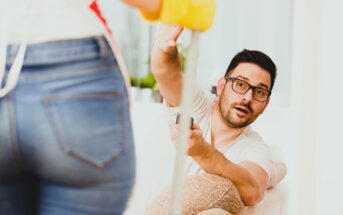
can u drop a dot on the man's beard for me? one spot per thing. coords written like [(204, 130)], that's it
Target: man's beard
[(230, 119)]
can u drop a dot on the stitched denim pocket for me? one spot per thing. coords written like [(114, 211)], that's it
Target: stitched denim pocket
[(89, 126)]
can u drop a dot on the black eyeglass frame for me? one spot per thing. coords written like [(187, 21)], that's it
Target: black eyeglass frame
[(233, 79)]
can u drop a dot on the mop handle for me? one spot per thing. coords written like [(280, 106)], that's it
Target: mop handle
[(186, 105)]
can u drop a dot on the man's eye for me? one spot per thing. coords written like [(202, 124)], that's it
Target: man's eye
[(261, 92), (240, 84)]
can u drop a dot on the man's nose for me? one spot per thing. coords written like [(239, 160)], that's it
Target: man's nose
[(248, 96)]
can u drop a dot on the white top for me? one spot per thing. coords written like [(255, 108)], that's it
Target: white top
[(249, 146), (46, 20), (34, 21)]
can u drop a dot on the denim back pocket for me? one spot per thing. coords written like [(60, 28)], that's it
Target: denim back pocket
[(89, 126)]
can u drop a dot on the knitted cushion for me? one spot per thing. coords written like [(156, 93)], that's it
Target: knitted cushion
[(201, 192)]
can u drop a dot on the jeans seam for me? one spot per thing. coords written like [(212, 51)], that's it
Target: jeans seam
[(61, 51), (51, 97), (13, 131), (47, 101), (57, 74)]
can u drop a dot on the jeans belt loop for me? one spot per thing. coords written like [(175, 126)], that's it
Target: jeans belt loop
[(101, 46)]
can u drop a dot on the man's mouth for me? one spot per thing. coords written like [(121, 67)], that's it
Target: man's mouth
[(242, 110)]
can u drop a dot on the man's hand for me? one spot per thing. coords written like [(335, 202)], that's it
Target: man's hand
[(167, 38), (197, 146)]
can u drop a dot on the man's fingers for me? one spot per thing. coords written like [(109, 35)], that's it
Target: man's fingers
[(170, 31), (167, 46), (176, 32), (171, 43), (167, 38), (195, 136)]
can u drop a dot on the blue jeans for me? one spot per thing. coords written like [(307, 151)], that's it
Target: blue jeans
[(66, 143)]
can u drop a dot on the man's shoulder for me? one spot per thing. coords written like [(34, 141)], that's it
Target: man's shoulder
[(250, 139), (202, 103)]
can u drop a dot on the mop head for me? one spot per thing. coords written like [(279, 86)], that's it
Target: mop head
[(193, 14), (201, 192)]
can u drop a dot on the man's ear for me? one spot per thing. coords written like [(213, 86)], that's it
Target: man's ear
[(220, 85)]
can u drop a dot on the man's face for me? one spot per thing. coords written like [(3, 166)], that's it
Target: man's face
[(240, 110)]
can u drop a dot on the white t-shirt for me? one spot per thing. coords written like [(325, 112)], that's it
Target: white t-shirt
[(248, 146), (36, 21), (47, 20)]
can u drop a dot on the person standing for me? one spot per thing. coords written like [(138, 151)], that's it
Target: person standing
[(66, 144)]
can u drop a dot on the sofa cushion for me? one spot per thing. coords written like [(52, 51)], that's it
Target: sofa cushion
[(201, 192)]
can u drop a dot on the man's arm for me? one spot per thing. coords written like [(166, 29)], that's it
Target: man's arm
[(166, 64), (250, 179)]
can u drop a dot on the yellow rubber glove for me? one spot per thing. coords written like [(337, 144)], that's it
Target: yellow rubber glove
[(193, 14)]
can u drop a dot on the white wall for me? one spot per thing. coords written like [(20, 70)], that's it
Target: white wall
[(329, 111), (317, 104)]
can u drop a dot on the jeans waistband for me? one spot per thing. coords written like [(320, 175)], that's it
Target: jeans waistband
[(61, 51)]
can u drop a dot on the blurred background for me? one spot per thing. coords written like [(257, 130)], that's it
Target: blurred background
[(304, 38)]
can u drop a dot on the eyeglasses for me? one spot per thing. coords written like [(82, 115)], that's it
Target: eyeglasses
[(241, 87)]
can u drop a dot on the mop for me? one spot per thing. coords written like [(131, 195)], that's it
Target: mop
[(185, 119)]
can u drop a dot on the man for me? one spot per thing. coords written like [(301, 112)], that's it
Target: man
[(221, 141)]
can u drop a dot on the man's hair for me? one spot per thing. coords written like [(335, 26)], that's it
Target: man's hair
[(255, 57)]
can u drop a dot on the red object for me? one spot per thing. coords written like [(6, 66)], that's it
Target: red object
[(95, 8)]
